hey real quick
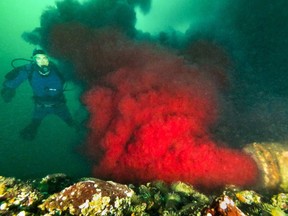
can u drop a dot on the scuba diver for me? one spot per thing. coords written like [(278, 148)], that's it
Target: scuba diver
[(47, 86)]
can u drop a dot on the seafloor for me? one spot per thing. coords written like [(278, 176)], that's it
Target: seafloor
[(58, 194)]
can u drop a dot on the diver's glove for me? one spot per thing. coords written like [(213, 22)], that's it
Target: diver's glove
[(7, 94)]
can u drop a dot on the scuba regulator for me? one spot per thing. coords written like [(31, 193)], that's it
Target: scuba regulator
[(44, 70)]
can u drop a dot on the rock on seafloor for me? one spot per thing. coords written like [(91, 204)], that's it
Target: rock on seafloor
[(90, 197), (58, 194), (272, 161)]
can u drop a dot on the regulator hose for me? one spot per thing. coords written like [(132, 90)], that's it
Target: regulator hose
[(19, 59)]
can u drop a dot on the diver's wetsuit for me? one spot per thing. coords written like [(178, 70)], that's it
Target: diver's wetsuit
[(47, 91)]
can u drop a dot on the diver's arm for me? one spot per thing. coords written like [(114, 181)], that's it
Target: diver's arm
[(12, 80)]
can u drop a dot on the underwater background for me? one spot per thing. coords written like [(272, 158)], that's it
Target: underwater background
[(54, 149), (246, 38)]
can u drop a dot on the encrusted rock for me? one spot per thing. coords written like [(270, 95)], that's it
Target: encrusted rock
[(188, 190), (91, 197), (53, 183), (248, 197), (17, 196), (223, 206), (280, 200), (272, 161), (159, 198)]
